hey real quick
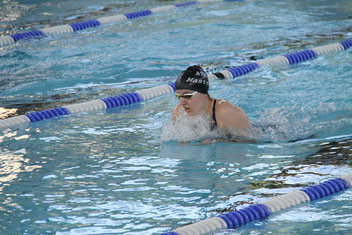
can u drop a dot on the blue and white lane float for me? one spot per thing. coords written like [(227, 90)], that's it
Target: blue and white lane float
[(288, 59), (74, 27), (145, 94), (106, 103), (257, 212)]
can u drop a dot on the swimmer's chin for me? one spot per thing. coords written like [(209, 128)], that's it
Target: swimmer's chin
[(187, 111)]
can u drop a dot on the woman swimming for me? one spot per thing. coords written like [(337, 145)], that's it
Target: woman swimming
[(191, 89)]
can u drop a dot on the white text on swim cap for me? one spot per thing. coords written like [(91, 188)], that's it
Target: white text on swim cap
[(201, 73), (199, 81)]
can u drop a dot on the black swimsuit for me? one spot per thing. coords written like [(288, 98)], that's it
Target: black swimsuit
[(213, 124)]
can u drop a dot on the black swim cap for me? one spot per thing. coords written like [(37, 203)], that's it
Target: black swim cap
[(193, 78)]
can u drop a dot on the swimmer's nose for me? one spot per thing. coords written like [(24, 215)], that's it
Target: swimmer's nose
[(182, 101)]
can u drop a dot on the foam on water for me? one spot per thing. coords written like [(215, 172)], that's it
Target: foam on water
[(299, 122), (188, 128)]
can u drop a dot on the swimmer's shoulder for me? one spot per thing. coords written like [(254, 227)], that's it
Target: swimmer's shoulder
[(229, 114), (223, 107)]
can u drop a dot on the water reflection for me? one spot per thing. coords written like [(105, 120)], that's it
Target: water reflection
[(12, 164)]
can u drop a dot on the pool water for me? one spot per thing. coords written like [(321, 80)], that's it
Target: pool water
[(111, 172)]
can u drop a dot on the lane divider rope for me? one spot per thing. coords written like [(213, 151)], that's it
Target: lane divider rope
[(289, 59), (261, 211), (74, 27), (145, 94), (105, 103)]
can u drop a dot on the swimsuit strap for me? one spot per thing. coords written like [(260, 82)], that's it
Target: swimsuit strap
[(214, 123)]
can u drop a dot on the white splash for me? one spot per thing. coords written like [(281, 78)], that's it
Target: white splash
[(188, 128)]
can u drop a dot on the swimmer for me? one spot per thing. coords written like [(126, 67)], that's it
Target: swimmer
[(191, 89)]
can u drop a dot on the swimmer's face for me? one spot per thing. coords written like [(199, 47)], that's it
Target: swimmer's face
[(191, 102)]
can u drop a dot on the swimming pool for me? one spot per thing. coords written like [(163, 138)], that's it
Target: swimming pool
[(111, 171)]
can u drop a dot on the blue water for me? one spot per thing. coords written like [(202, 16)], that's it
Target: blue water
[(111, 173)]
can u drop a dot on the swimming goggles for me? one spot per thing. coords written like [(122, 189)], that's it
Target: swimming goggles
[(186, 96)]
